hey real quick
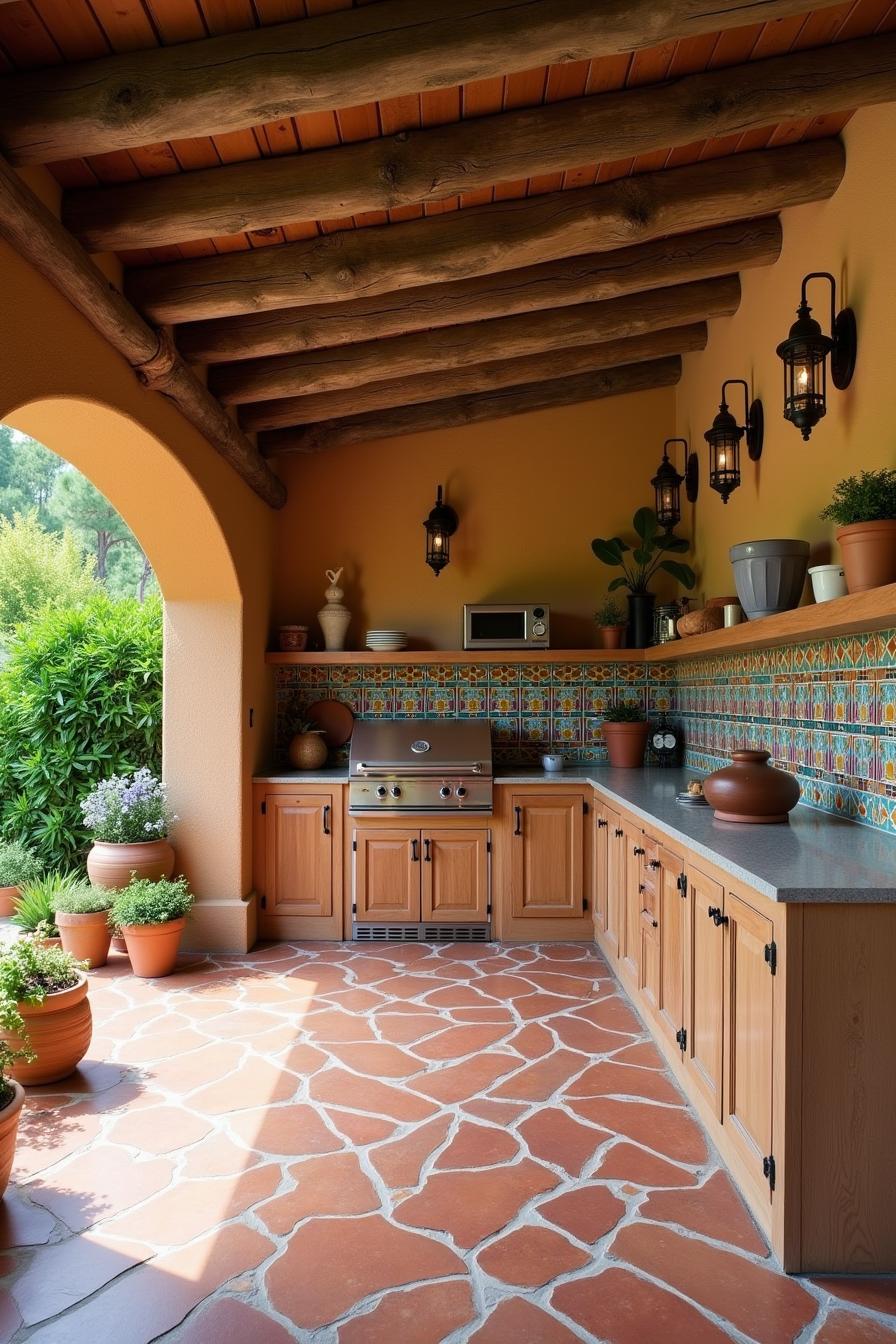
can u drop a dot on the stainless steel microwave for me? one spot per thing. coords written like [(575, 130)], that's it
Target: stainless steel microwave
[(508, 625)]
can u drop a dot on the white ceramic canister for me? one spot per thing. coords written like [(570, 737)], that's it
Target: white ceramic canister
[(828, 581)]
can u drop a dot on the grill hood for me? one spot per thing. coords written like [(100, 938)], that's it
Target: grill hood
[(443, 746)]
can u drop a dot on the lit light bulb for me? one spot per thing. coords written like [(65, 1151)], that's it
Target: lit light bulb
[(723, 459), (437, 542), (802, 379)]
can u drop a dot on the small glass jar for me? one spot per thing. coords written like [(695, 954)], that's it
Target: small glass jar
[(664, 622)]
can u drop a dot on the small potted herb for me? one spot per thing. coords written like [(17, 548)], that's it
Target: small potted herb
[(307, 749), (12, 1095), (625, 729), (17, 865), (44, 1011), (82, 917), (639, 563), (610, 618), (128, 817), (35, 906), (864, 509), (151, 917)]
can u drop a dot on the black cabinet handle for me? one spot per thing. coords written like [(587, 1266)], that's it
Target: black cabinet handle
[(716, 915), (619, 834), (326, 818), (654, 864), (602, 822), (415, 853), (519, 820), (655, 923), (426, 855), (637, 851)]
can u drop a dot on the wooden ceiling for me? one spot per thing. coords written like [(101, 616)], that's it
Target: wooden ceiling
[(353, 265)]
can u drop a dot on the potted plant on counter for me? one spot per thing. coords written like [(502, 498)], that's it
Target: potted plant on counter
[(151, 917), (610, 619), (44, 1010), (128, 817), (17, 866), (82, 917), (864, 509), (625, 729), (639, 565)]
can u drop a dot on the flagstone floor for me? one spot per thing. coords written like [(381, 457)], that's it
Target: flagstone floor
[(397, 1145)]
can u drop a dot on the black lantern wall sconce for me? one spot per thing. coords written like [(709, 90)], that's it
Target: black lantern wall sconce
[(724, 440), (805, 356), (440, 526), (667, 485)]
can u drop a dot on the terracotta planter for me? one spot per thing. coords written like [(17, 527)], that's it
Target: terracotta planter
[(7, 896), (59, 1032), (751, 791), (9, 1128), (869, 554), (153, 948), (111, 865), (308, 751), (610, 636), (88, 937), (626, 743)]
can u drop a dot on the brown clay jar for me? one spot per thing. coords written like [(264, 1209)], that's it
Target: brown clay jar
[(153, 948), (112, 866), (750, 790), (308, 751), (7, 896), (868, 551), (58, 1031), (87, 937)]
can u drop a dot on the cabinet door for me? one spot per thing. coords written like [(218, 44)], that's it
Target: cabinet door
[(632, 893), (705, 975), (672, 914), (387, 875), (615, 881), (599, 868), (299, 854), (547, 856), (455, 876), (749, 1033)]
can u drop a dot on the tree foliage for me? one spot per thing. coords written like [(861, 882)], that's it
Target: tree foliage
[(39, 569)]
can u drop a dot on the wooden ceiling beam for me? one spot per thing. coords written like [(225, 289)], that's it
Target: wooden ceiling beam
[(433, 352), (430, 165), (488, 238), (229, 82), (456, 411), (543, 367)]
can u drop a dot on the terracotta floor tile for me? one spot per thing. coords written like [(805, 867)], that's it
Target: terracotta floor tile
[(460, 1082), (368, 970), (532, 1041), (580, 988), (294, 1130), (405, 1028), (516, 1321), (91, 1075), (158, 1129), (848, 1327), (768, 1306), (496, 1112), (218, 1155), (47, 1136), (456, 996), (238, 1024), (457, 1042), (625, 1080), (400, 1163), (613, 1014), (360, 1129), (578, 1034), (588, 1213), (324, 1186), (878, 1294), (470, 1205), (10, 1320), (23, 1223), (341, 1088), (189, 1209), (98, 1184), (619, 1308), (330, 1264), (188, 1073), (553, 1136), (531, 1257), (411, 986), (477, 1146), (540, 1005), (299, 1058), (332, 1024), (487, 1014), (66, 1273), (356, 1000), (538, 1081), (376, 1060), (714, 1209), (425, 1315), (162, 1045), (229, 1321), (627, 1162), (256, 1082), (668, 1130), (504, 988)]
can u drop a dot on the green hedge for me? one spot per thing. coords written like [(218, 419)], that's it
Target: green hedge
[(80, 699)]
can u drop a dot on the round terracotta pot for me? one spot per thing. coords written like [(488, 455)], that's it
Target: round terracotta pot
[(153, 948), (7, 896), (112, 866), (869, 554), (610, 636), (88, 937), (9, 1128), (626, 743), (58, 1031), (750, 790), (308, 751)]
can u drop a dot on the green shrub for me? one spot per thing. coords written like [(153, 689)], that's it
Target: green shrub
[(36, 902), (28, 973), (868, 498), (84, 900), (146, 902), (80, 699), (17, 865), (610, 612), (625, 714), (39, 569)]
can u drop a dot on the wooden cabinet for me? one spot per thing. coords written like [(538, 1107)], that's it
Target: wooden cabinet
[(613, 934), (599, 868), (705, 985), (671, 895), (630, 948), (455, 876), (408, 875), (547, 855), (386, 883), (298, 861)]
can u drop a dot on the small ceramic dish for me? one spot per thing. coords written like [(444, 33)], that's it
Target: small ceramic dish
[(552, 763)]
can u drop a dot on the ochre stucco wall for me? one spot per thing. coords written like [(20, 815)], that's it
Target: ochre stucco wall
[(854, 237), (531, 492)]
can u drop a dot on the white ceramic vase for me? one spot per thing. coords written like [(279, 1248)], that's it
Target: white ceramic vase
[(334, 618), (828, 582)]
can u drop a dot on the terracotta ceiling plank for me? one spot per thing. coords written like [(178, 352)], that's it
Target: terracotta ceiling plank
[(177, 20), (228, 16), (27, 41), (126, 24), (73, 174), (74, 28), (868, 16), (280, 11)]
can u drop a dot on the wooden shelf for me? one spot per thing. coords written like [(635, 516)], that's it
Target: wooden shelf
[(460, 656)]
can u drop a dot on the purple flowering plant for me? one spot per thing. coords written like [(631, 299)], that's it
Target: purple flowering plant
[(128, 809)]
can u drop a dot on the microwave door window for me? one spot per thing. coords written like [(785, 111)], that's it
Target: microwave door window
[(498, 625)]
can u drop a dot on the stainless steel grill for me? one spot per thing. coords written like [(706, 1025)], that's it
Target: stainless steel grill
[(420, 765)]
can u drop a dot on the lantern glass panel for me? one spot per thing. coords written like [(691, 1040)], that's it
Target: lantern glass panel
[(805, 383), (724, 461)]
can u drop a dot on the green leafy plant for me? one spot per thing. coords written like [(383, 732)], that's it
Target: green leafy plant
[(308, 726), (39, 569), (28, 973), (610, 612), (128, 809), (640, 562), (84, 900), (867, 498), (36, 903), (625, 714), (17, 865), (146, 902), (8, 1057)]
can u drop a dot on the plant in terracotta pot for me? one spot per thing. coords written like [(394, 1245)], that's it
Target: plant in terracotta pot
[(35, 906), (639, 563), (128, 817), (12, 1094), (864, 509), (610, 618), (625, 730), (17, 865), (151, 917), (82, 917), (307, 748), (44, 1010)]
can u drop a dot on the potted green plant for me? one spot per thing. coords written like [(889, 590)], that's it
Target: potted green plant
[(610, 618), (35, 906), (864, 509), (307, 748), (44, 1010), (12, 1095), (128, 818), (639, 564), (82, 917), (17, 865), (151, 917), (625, 729)]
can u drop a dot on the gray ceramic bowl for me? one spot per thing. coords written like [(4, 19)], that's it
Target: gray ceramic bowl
[(769, 575), (553, 763)]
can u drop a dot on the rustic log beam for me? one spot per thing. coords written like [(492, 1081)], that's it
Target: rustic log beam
[(543, 367), (339, 60), (36, 234), (488, 238), (430, 165), (457, 411), (433, 352), (555, 284)]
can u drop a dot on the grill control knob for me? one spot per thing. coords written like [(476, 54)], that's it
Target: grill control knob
[(381, 791), (444, 791), (395, 791), (460, 791)]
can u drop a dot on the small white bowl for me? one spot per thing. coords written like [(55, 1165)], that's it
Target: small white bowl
[(828, 582), (553, 763)]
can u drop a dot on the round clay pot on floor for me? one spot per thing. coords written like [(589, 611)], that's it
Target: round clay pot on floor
[(626, 743), (9, 1128), (153, 948), (112, 866), (869, 554), (751, 791), (58, 1031), (7, 896), (87, 937)]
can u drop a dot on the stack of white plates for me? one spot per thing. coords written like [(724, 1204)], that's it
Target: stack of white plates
[(386, 641)]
